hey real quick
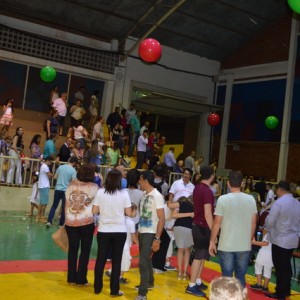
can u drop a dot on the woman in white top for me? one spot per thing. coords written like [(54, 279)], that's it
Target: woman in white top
[(15, 160), (215, 188), (80, 134), (53, 95), (77, 112), (113, 204)]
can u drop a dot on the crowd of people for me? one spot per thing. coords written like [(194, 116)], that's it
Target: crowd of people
[(86, 139), (139, 206)]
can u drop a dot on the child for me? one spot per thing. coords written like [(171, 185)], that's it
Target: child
[(4, 162), (44, 187), (98, 179), (131, 237), (263, 263), (35, 196), (7, 117)]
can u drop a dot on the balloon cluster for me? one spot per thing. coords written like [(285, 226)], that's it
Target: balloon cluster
[(150, 50), (48, 74)]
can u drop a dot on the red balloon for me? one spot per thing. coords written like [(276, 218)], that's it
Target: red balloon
[(150, 50), (213, 119)]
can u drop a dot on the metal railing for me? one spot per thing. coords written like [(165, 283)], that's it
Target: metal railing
[(30, 165)]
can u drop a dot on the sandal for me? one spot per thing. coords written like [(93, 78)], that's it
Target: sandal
[(185, 276), (179, 276)]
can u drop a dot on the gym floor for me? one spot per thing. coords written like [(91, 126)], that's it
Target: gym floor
[(33, 267)]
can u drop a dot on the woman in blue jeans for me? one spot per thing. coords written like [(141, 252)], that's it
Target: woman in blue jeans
[(79, 223), (112, 203)]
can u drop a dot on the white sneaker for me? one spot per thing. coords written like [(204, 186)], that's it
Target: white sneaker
[(158, 271)]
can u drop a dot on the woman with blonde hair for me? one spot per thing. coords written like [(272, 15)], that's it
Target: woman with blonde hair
[(227, 288)]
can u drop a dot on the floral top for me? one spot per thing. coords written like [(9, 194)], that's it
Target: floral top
[(79, 202), (35, 150)]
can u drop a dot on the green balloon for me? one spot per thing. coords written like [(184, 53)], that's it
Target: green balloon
[(271, 122), (48, 74), (294, 5)]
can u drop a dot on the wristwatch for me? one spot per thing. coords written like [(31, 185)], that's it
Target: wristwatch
[(157, 239)]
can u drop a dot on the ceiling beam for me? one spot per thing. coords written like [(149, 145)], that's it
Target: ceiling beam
[(246, 12), (101, 10), (202, 19), (138, 23), (176, 33), (164, 17)]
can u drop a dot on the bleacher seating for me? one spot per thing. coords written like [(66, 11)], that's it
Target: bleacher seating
[(32, 123)]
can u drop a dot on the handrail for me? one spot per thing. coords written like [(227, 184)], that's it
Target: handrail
[(32, 163)]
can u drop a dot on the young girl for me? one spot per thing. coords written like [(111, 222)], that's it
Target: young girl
[(35, 196), (7, 118), (98, 179), (131, 237), (183, 212), (263, 263)]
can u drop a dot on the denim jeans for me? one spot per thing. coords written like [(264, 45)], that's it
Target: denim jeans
[(58, 195), (145, 264), (132, 142), (236, 262), (14, 169)]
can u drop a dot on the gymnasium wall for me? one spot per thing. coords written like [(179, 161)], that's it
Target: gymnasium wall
[(252, 148), (23, 83)]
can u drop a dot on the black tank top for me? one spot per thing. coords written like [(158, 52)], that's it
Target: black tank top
[(185, 207), (19, 142)]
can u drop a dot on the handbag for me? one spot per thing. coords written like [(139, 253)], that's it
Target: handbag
[(60, 238), (5, 165)]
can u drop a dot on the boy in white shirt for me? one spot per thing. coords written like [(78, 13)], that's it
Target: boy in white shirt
[(44, 187), (269, 198)]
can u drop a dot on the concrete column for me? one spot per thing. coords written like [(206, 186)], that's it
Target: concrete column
[(203, 138), (107, 102), (284, 142), (225, 122)]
